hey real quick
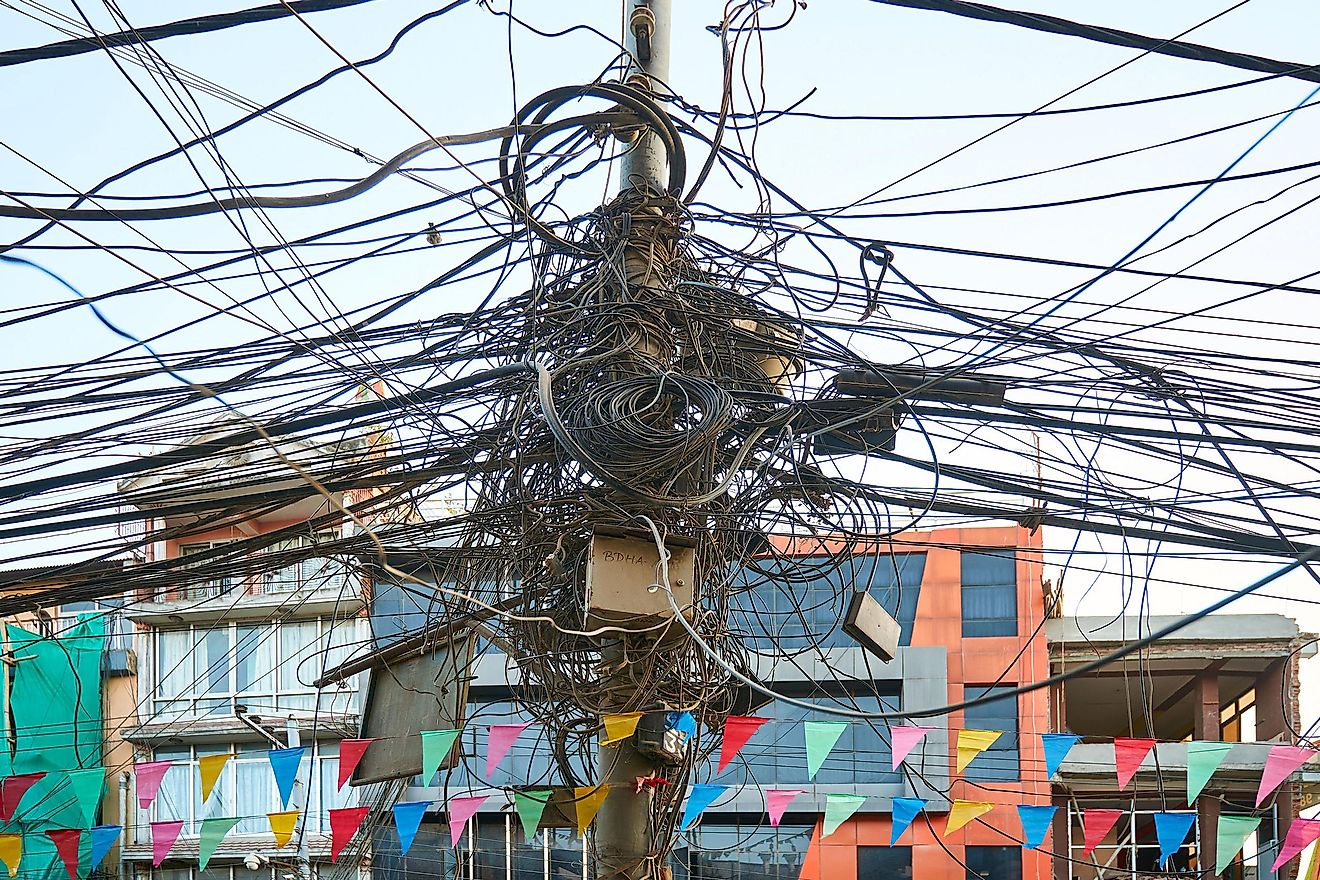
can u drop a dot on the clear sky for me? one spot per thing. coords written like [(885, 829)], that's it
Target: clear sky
[(80, 120)]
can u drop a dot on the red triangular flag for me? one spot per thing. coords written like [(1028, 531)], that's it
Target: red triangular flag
[(12, 789), (66, 844), (738, 729), (1128, 755), (344, 824), (1095, 825), (350, 754)]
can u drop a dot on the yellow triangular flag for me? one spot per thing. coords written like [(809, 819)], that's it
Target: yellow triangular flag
[(587, 800), (619, 727), (210, 766), (282, 825), (963, 812), (11, 851), (972, 743)]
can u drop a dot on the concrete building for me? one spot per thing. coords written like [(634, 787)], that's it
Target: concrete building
[(227, 647), (1231, 678)]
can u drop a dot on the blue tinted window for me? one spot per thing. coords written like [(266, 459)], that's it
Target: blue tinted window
[(777, 752), (795, 602), (989, 594), (1000, 761), (751, 851), (891, 862)]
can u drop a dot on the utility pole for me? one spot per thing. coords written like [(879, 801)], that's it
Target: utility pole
[(299, 800), (624, 837)]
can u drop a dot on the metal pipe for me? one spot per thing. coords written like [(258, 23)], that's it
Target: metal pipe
[(647, 42)]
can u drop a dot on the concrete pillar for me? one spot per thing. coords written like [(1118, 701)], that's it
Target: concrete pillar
[(1271, 702), (1206, 727), (1063, 869)]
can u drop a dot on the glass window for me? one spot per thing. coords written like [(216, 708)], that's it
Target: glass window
[(989, 594), (254, 662), (174, 663), (1000, 761), (745, 852), (800, 601), (993, 862), (889, 862)]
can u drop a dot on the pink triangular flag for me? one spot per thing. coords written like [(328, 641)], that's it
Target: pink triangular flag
[(460, 810), (1300, 834), (147, 775), (163, 835), (903, 740), (500, 739), (1095, 825), (1280, 764), (1128, 755), (350, 755), (777, 801)]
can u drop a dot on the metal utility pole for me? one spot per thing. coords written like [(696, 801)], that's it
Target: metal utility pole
[(299, 799), (624, 837)]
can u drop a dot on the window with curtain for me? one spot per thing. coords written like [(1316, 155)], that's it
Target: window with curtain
[(206, 669), (989, 593), (1000, 761)]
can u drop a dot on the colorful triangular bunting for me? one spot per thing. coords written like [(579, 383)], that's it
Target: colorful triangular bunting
[(1231, 834), (210, 768), (1280, 764), (12, 790), (1095, 825), (903, 740), (407, 819), (619, 727), (839, 809), (1128, 755), (586, 804), (436, 745), (284, 764), (499, 739), (1203, 759), (66, 842), (1056, 746), (350, 755), (820, 738), (700, 796), (11, 852), (147, 776), (777, 801), (531, 806), (904, 811), (1301, 833), (972, 743), (738, 729), (344, 823), (86, 786), (963, 812), (102, 838), (282, 825), (212, 832), (1170, 832), (1036, 821), (163, 835)]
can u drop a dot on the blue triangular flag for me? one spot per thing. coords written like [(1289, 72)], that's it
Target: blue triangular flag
[(904, 811), (1170, 831), (284, 764), (407, 819), (1057, 746), (103, 837), (1035, 823), (700, 796), (684, 721)]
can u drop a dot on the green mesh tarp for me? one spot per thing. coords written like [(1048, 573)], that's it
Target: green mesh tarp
[(55, 700)]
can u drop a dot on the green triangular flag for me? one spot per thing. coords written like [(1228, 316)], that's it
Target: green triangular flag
[(838, 807), (530, 805), (821, 737), (1232, 834), (85, 786), (1203, 759), (435, 748), (213, 831)]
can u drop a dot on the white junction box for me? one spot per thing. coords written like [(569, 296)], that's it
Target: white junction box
[(621, 576)]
